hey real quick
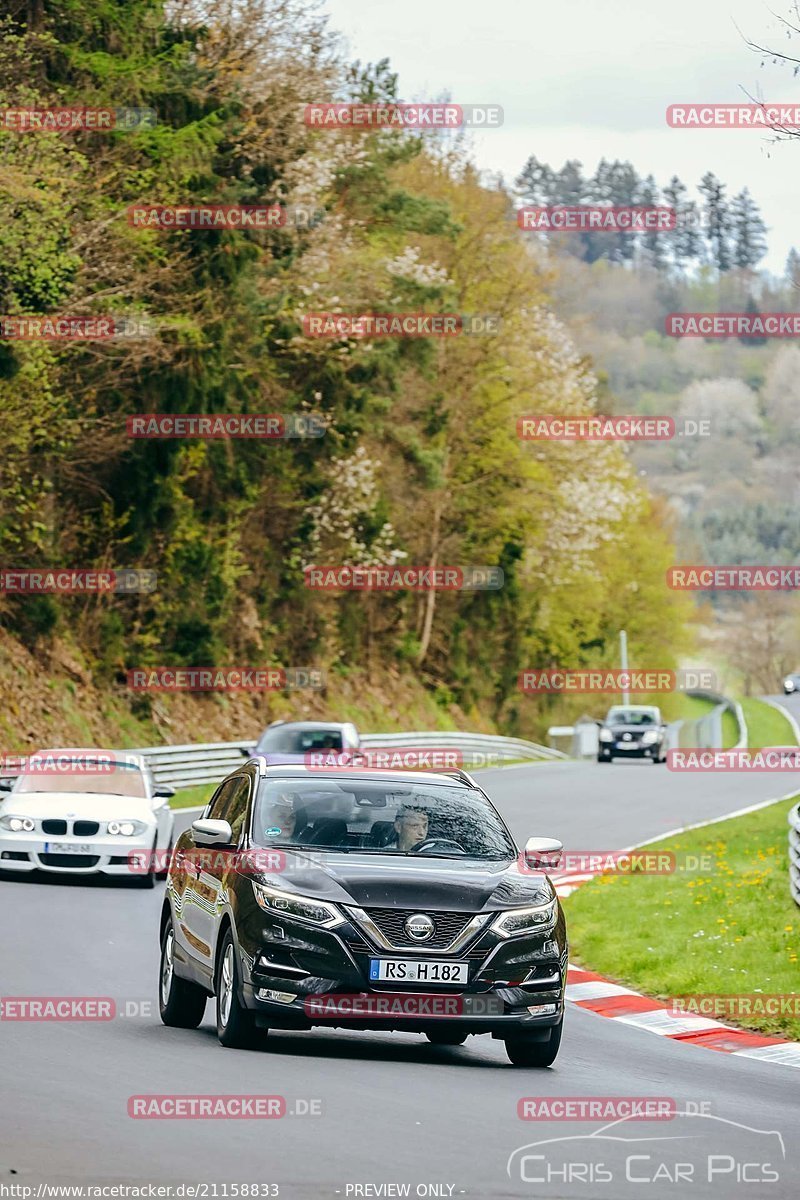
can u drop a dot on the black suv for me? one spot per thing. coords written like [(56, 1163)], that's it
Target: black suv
[(363, 899)]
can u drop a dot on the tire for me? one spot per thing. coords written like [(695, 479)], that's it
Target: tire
[(523, 1052), (236, 1027), (604, 758), (182, 1004), (148, 881), (446, 1037)]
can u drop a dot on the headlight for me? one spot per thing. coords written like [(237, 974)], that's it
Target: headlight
[(316, 912), (525, 920), (18, 824), (126, 828), (649, 737), (606, 735), (788, 683)]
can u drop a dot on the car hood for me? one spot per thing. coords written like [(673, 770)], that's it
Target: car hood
[(383, 880), (92, 806)]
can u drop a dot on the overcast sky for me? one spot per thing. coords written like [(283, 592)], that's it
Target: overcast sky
[(591, 78)]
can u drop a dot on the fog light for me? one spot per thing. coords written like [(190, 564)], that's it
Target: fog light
[(541, 1010), (279, 997)]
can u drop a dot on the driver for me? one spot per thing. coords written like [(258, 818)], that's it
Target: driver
[(410, 828), (281, 818)]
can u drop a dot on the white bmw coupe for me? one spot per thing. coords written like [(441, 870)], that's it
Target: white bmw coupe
[(81, 811)]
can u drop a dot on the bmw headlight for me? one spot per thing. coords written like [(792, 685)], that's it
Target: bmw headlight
[(606, 735), (126, 828), (525, 920), (18, 824), (649, 737), (316, 912)]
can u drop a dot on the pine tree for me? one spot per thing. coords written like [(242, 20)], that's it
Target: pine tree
[(749, 242), (536, 182), (717, 221), (684, 240)]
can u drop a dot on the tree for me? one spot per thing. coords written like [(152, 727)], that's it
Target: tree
[(717, 221), (747, 231)]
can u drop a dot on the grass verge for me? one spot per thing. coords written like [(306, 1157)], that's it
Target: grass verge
[(765, 725), (728, 930), (191, 797)]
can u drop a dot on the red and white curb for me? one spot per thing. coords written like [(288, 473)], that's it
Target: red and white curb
[(587, 990)]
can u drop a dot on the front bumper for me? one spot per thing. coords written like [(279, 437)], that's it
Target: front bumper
[(304, 976), (106, 855), (631, 750)]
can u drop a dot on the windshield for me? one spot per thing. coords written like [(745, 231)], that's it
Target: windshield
[(372, 817), (631, 716), (299, 741), (121, 781)]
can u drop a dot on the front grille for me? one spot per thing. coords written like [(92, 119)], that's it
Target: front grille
[(447, 927), (70, 860), (54, 826), (85, 828)]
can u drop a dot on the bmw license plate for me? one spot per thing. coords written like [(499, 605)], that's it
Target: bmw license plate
[(404, 970), (67, 848)]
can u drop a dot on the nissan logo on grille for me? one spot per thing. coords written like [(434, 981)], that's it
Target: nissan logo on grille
[(419, 927)]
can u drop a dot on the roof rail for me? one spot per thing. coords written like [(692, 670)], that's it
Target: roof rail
[(463, 776)]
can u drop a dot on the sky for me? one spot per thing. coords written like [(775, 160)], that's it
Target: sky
[(591, 78)]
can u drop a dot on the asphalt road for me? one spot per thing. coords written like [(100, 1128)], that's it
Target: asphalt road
[(394, 1110)]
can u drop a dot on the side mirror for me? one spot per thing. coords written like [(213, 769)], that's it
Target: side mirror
[(7, 785), (542, 853), (212, 833), (164, 789)]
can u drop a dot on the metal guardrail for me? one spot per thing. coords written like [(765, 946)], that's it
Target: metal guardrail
[(794, 853), (185, 766)]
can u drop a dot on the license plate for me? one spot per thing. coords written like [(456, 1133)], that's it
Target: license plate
[(404, 970), (67, 848)]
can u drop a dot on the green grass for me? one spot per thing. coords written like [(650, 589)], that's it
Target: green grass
[(766, 726), (190, 797), (731, 929)]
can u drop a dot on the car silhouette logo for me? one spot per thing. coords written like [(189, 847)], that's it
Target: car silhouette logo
[(626, 737), (419, 927)]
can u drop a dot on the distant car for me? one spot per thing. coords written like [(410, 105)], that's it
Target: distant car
[(82, 811), (291, 741), (633, 731), (791, 684)]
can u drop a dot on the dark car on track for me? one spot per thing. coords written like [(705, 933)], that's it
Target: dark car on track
[(367, 900), (294, 741), (632, 731)]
